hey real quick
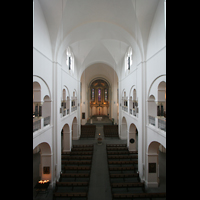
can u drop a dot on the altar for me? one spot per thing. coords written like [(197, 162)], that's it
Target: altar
[(99, 118)]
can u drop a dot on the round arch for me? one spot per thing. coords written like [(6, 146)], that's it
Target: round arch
[(65, 139), (45, 90), (75, 135), (153, 89), (133, 138), (156, 174), (44, 169)]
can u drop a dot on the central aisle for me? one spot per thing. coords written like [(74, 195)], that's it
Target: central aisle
[(99, 187)]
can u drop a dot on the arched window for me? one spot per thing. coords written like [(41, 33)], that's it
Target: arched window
[(128, 59), (99, 94), (92, 94), (106, 95), (70, 60)]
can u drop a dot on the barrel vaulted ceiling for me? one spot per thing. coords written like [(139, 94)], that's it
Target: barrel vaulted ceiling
[(98, 30)]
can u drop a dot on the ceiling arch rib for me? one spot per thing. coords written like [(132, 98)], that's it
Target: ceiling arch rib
[(88, 39)]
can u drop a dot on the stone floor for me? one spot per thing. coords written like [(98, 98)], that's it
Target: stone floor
[(99, 188)]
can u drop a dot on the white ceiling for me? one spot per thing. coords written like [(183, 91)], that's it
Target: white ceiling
[(98, 30)]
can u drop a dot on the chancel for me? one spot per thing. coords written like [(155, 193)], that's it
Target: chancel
[(99, 99)]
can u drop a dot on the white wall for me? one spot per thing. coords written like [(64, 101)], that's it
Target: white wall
[(52, 77), (145, 76)]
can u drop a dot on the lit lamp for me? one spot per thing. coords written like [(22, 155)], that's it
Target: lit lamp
[(43, 181)]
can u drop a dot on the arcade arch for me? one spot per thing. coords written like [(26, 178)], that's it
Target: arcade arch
[(133, 138), (42, 159), (124, 129), (65, 139), (156, 170), (75, 135)]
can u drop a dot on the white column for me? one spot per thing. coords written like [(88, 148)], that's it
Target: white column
[(152, 176)]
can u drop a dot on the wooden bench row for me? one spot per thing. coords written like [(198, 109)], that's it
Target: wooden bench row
[(75, 175), (122, 185), (68, 157), (121, 168), (72, 171), (123, 157), (70, 194), (110, 131), (116, 145), (84, 162), (122, 162), (128, 175), (77, 168), (108, 127), (70, 184), (82, 149), (117, 148), (138, 195), (78, 153), (121, 152), (83, 146), (88, 131)]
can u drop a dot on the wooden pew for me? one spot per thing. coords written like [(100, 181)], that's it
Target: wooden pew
[(83, 146), (121, 152), (68, 157), (70, 195), (116, 148), (78, 153), (123, 157), (77, 168), (121, 168), (75, 175), (70, 184), (122, 162), (82, 149), (66, 162), (138, 195), (116, 145), (128, 175), (128, 185)]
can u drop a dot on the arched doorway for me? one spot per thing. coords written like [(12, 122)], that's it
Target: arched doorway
[(41, 162), (133, 138), (123, 135), (65, 139), (156, 168), (75, 135)]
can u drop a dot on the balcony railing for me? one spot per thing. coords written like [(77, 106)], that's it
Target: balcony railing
[(152, 120), (39, 122), (36, 125), (125, 108), (162, 124), (46, 120), (74, 108), (158, 122)]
